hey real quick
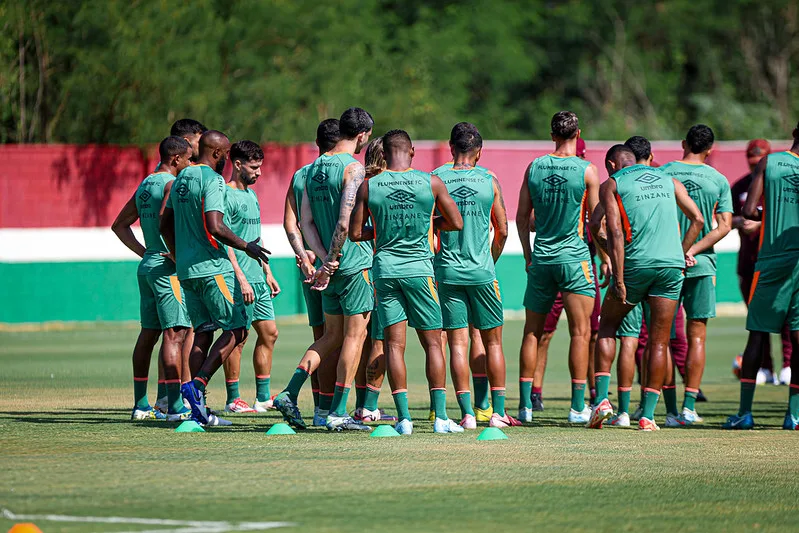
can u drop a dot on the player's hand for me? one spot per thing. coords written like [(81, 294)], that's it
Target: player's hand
[(274, 287), (169, 255), (257, 252), (748, 227), (618, 290), (320, 280), (246, 291), (690, 260), (605, 273)]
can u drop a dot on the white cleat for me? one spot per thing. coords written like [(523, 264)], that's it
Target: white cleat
[(785, 376), (764, 376), (691, 417), (601, 412), (580, 417), (319, 417), (179, 417), (469, 422), (214, 420), (239, 406), (344, 423), (525, 414), (621, 420), (446, 426), (404, 427), (162, 403), (262, 407), (674, 421)]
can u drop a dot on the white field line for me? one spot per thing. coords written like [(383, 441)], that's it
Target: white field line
[(184, 526)]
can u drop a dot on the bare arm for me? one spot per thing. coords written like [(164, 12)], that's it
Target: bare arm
[(615, 242), (291, 225), (122, 227), (691, 210), (723, 227), (167, 228), (353, 177), (450, 219), (596, 226), (309, 230), (246, 289), (359, 230), (499, 220), (755, 193), (222, 233), (524, 214)]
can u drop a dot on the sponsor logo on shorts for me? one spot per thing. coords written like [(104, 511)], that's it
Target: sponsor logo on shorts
[(554, 180), (691, 186), (647, 178)]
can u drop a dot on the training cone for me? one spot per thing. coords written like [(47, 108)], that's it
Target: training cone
[(384, 430), (281, 429), (492, 434), (189, 426)]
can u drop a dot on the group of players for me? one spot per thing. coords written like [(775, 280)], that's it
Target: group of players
[(382, 246)]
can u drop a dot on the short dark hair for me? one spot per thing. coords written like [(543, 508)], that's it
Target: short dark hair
[(565, 125), (354, 121), (396, 140), (621, 153), (246, 151), (700, 138), (465, 138), (328, 134), (172, 145), (640, 146), (187, 126)]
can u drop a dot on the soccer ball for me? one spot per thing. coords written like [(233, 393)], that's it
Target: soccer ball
[(736, 365)]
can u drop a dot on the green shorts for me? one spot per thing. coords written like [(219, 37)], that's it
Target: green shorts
[(313, 305), (215, 300), (544, 282), (261, 308), (699, 297), (349, 295), (162, 302), (478, 305), (411, 299), (774, 299), (659, 282), (376, 327), (631, 325)]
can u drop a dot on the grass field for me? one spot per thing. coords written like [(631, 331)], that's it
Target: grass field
[(68, 448)]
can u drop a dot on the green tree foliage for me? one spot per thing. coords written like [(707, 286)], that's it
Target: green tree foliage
[(120, 71)]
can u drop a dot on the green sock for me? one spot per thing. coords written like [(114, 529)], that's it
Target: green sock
[(793, 400), (140, 393), (624, 400), (498, 399), (296, 382), (401, 403), (360, 396), (670, 397), (578, 395), (650, 402), (162, 389), (465, 402), (325, 401), (315, 397), (201, 380), (689, 401), (174, 396), (339, 404), (370, 402), (747, 397), (525, 390), (232, 388), (602, 381), (480, 385), (438, 398), (262, 392)]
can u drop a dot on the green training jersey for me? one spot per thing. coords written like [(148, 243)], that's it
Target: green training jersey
[(779, 232), (648, 211), (149, 196), (324, 182), (401, 204), (196, 191), (558, 192), (464, 257), (243, 217), (711, 191)]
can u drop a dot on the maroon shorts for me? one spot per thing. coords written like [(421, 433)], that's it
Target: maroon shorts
[(551, 323)]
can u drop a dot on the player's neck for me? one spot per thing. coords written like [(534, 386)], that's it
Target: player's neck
[(206, 161), (566, 148), (694, 159), (463, 161), (164, 167), (237, 183), (795, 147), (399, 163), (344, 146)]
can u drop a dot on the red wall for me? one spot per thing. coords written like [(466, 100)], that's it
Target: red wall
[(84, 186)]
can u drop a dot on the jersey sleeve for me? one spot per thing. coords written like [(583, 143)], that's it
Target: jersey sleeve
[(725, 197), (214, 194)]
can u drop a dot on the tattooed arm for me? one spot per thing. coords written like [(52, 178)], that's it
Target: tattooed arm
[(291, 226)]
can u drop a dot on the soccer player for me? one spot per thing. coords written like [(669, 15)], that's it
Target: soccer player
[(191, 130), (162, 304), (401, 202), (464, 269), (647, 261), (558, 191), (774, 299), (344, 276), (710, 190), (193, 227), (258, 285)]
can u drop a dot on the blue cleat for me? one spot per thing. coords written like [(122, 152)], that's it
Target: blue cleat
[(744, 421), (791, 422), (196, 402)]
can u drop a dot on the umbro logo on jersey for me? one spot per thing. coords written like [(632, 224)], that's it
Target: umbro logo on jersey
[(793, 179), (144, 196), (691, 186), (647, 178), (183, 189), (554, 180), (319, 178), (402, 197), (463, 192), (244, 207)]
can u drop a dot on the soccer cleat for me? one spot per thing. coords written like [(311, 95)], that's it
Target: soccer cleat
[(538, 403), (180, 416), (700, 396), (579, 417), (621, 420), (196, 401), (239, 406), (446, 426), (764, 376), (319, 417), (503, 421), (674, 421), (483, 415), (346, 422), (785, 376), (601, 412), (214, 420), (744, 421), (357, 414), (147, 414), (691, 417), (289, 410), (404, 427), (262, 407), (790, 422), (647, 425), (378, 415), (162, 404), (469, 422), (525, 414), (639, 412)]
